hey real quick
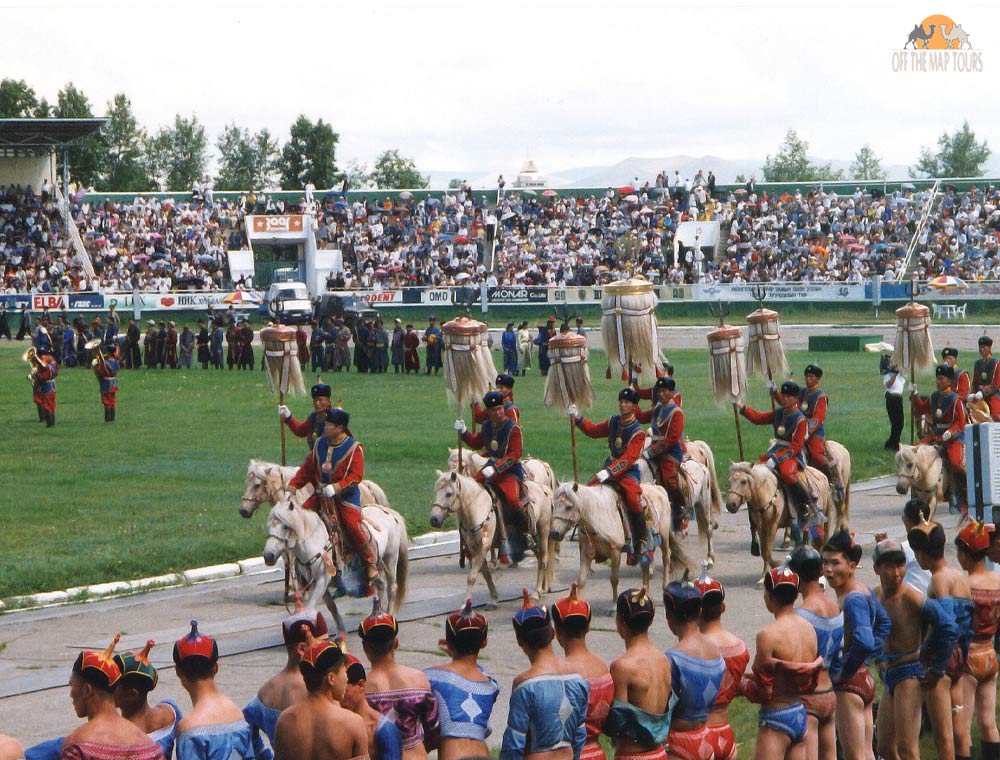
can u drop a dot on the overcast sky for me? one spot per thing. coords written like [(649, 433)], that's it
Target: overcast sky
[(475, 85)]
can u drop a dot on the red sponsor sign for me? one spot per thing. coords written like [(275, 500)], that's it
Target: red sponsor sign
[(290, 223), (39, 302), (385, 296)]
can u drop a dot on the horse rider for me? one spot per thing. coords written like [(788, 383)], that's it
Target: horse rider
[(500, 440), (785, 456), (105, 366), (666, 452), (986, 377), (311, 428), (626, 440), (43, 385), (649, 394), (505, 386), (947, 425), (331, 474), (962, 383), (813, 403)]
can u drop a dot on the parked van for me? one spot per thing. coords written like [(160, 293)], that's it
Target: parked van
[(288, 303)]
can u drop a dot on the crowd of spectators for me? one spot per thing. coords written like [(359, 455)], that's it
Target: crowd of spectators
[(542, 238)]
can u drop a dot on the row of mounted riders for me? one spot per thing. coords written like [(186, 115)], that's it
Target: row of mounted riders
[(636, 502)]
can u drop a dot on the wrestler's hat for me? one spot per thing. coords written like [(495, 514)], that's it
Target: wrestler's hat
[(467, 626), (709, 588), (531, 616), (888, 550), (99, 668), (784, 575), (355, 669), (294, 627), (379, 625), (320, 656), (195, 645), (571, 606), (682, 596), (136, 670), (635, 603), (975, 536)]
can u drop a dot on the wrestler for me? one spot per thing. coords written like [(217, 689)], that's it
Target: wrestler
[(10, 748), (286, 687), (905, 651), (215, 726), (736, 656), (639, 719), (139, 678), (106, 735), (384, 740), (866, 626), (465, 695), (571, 616), (979, 681), (823, 614), (548, 701), (943, 696), (318, 728), (401, 693), (785, 667)]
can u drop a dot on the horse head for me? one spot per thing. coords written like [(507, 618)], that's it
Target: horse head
[(447, 487), (283, 531), (740, 486), (254, 489), (565, 510), (906, 468)]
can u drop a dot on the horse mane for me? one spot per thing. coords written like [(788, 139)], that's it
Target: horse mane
[(744, 467)]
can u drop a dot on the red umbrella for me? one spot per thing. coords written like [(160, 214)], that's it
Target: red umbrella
[(461, 239), (626, 190), (549, 193)]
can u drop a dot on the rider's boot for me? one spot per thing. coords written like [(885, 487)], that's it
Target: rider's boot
[(641, 545), (832, 475), (678, 510), (367, 553), (961, 492), (808, 513), (631, 540)]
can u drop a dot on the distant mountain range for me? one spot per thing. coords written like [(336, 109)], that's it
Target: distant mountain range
[(624, 172)]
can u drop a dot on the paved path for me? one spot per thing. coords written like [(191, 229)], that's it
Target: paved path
[(37, 647)]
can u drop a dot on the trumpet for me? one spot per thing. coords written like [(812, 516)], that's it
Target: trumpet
[(94, 344), (34, 363)]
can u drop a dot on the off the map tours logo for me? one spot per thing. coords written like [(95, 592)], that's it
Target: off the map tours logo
[(938, 44)]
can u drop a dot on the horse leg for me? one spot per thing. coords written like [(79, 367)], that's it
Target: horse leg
[(586, 561), (768, 530), (542, 562), (616, 564), (338, 619), (494, 596)]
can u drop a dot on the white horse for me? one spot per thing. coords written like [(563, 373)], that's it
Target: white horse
[(301, 534), (594, 509), (702, 498), (472, 504), (840, 458), (534, 469), (757, 486), (266, 481), (921, 471)]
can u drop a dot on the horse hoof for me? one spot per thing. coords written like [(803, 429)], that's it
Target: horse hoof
[(710, 562), (786, 542), (754, 548), (491, 607), (715, 525), (759, 583)]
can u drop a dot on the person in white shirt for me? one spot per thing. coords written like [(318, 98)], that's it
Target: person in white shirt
[(914, 512), (893, 381)]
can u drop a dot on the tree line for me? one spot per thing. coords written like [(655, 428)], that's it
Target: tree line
[(124, 156), (958, 154)]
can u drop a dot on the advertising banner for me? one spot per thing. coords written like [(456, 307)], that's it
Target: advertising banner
[(780, 291), (518, 295)]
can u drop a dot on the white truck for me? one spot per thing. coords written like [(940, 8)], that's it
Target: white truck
[(288, 303)]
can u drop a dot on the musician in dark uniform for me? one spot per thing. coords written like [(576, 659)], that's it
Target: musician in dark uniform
[(24, 323), (785, 456), (246, 345), (105, 366), (433, 339), (666, 452), (4, 324), (232, 345), (331, 473), (500, 440), (626, 440), (202, 341), (111, 330), (947, 414), (161, 346), (133, 355), (986, 377), (43, 385), (312, 426), (149, 346), (505, 386), (316, 351), (170, 354), (302, 347)]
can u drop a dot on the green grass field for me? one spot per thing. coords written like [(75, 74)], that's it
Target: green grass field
[(158, 490)]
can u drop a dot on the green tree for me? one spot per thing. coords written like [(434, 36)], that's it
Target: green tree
[(454, 184), (125, 141), (359, 176), (87, 156), (741, 179), (958, 155), (43, 110), (177, 155), (17, 99), (310, 155), (867, 165), (395, 172), (791, 163), (246, 161)]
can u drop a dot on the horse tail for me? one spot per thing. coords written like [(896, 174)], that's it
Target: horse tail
[(402, 566), (713, 484), (679, 561), (704, 516)]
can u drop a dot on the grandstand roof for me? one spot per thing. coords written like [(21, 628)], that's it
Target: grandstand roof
[(45, 133)]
